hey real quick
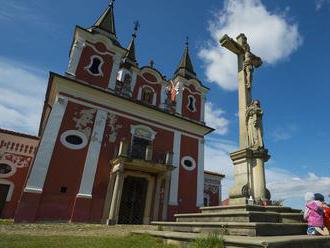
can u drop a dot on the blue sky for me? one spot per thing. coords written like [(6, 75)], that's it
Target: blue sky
[(290, 35)]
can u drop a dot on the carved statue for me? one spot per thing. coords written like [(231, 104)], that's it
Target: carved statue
[(171, 93), (126, 90), (249, 63), (254, 125)]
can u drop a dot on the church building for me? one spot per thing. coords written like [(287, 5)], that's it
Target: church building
[(117, 143)]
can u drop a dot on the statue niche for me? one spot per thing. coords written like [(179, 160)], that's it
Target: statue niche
[(123, 88), (254, 125)]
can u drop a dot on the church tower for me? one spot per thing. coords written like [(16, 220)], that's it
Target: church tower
[(119, 143)]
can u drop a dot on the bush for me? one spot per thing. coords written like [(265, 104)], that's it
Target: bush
[(211, 241)]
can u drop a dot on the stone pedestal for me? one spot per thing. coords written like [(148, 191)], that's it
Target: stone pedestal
[(249, 176)]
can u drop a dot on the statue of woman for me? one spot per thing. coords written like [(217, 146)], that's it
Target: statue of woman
[(254, 125)]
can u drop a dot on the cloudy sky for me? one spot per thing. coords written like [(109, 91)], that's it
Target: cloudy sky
[(290, 35)]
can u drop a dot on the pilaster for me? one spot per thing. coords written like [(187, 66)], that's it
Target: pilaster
[(40, 167), (75, 57)]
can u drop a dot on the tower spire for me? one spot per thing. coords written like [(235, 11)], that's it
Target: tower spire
[(130, 56), (185, 67), (106, 21)]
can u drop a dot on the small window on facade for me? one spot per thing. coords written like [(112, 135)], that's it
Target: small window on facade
[(147, 95), (74, 139), (63, 189), (188, 163), (191, 103), (5, 169), (95, 66)]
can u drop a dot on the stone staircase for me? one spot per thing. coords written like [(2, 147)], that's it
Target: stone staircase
[(250, 225)]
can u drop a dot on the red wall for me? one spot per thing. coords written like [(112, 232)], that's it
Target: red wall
[(188, 179), (65, 169), (140, 81), (185, 111), (85, 60)]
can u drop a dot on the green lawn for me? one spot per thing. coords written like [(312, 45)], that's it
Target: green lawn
[(30, 241)]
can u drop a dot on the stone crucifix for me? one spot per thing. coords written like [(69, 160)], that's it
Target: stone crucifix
[(247, 62)]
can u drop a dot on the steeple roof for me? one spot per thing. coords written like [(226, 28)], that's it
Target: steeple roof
[(106, 21), (130, 57), (185, 67)]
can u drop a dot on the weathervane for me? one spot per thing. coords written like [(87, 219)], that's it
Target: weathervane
[(187, 41)]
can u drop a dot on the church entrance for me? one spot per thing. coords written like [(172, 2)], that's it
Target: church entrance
[(133, 200), (4, 189)]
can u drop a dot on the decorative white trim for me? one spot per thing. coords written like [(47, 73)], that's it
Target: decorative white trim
[(72, 146), (39, 170), (132, 118), (11, 165), (200, 174), (75, 56), (11, 188), (33, 190), (84, 196), (203, 100), (193, 103), (88, 177), (174, 187), (189, 159), (114, 72), (145, 129), (91, 45), (191, 92), (87, 68)]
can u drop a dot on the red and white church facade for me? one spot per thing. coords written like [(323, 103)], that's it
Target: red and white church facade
[(119, 143)]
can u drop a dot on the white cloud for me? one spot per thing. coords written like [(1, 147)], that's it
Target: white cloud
[(319, 4), (283, 184), (269, 34), (214, 118), (217, 159), (286, 185), (22, 92)]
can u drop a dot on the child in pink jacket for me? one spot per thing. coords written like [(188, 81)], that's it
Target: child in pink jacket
[(314, 215)]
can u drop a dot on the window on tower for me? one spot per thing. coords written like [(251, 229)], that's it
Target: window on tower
[(147, 95), (191, 103), (95, 66)]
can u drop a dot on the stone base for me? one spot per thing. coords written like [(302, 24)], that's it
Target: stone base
[(238, 201)]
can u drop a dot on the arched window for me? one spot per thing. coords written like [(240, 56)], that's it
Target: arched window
[(147, 95), (191, 103), (95, 66)]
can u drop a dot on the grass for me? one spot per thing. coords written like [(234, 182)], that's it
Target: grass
[(54, 235), (28, 241), (211, 241)]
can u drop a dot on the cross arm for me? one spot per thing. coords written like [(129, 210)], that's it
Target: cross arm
[(231, 45)]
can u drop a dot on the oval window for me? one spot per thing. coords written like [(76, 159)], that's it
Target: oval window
[(74, 139), (5, 169), (188, 163)]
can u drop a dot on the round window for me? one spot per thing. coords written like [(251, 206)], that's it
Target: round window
[(5, 169), (73, 139), (188, 163)]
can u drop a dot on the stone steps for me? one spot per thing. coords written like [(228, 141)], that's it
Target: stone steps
[(235, 228), (255, 208), (241, 216), (300, 241)]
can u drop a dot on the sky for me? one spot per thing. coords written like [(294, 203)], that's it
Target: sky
[(291, 36)]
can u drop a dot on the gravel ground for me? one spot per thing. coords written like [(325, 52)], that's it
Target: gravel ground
[(59, 229)]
